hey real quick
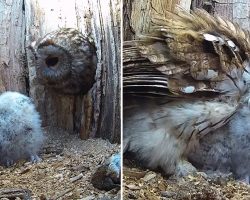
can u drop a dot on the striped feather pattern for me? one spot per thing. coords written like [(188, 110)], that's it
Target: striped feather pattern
[(187, 50), (194, 67)]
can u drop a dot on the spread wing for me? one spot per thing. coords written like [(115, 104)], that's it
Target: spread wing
[(188, 55)]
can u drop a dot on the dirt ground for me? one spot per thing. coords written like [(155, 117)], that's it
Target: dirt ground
[(145, 184), (65, 171), (68, 164)]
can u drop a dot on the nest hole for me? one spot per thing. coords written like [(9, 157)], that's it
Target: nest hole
[(51, 61)]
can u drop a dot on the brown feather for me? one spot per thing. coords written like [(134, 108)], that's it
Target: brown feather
[(177, 51)]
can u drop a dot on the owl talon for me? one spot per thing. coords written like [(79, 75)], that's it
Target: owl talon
[(9, 163), (246, 179), (248, 103), (184, 168), (35, 159)]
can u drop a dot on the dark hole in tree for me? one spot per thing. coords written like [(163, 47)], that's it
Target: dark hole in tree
[(51, 61)]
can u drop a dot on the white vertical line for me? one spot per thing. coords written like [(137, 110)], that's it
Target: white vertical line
[(121, 94)]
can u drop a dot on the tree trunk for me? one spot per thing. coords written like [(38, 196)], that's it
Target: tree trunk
[(96, 114), (138, 14), (235, 10), (12, 26)]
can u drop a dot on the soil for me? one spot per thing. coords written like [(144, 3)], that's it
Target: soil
[(139, 183), (64, 172)]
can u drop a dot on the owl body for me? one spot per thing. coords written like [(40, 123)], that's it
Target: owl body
[(162, 133), (21, 135), (66, 61), (184, 79), (227, 149)]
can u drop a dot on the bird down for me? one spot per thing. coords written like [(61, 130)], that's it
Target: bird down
[(21, 135), (187, 77), (227, 149)]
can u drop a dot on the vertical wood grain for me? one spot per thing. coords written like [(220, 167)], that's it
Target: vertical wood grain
[(12, 49), (96, 114), (138, 14)]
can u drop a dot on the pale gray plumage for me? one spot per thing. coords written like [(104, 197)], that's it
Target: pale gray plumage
[(150, 130), (227, 149), (21, 135), (183, 80)]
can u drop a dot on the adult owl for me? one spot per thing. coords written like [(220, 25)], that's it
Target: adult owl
[(65, 61), (187, 77)]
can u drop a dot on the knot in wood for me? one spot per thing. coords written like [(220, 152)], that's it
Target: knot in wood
[(66, 61)]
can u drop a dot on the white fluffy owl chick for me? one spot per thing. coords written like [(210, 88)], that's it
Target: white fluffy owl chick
[(21, 135)]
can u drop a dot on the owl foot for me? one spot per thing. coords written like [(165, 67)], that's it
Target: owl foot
[(35, 159), (9, 163), (184, 168), (246, 179)]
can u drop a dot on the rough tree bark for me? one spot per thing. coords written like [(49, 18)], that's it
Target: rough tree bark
[(235, 10), (96, 114), (12, 73), (138, 14)]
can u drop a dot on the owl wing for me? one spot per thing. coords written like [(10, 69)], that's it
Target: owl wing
[(188, 55)]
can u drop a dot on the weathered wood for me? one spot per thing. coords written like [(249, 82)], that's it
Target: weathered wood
[(12, 53), (11, 193), (106, 23), (96, 114), (138, 14), (235, 10)]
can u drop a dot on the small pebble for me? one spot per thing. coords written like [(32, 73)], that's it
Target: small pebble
[(133, 187), (149, 176), (167, 194)]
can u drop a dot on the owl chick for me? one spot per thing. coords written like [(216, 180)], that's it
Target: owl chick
[(21, 136), (186, 78), (227, 149), (66, 61)]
